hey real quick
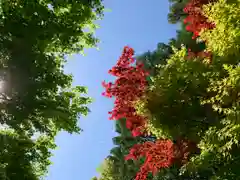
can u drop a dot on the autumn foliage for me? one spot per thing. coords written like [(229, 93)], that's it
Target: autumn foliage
[(131, 84), (128, 87), (158, 155), (179, 153), (195, 20), (161, 154)]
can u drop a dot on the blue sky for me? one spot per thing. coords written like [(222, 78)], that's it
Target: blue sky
[(140, 24)]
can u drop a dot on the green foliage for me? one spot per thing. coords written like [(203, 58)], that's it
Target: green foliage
[(34, 41), (223, 40), (53, 26), (184, 37), (176, 13), (106, 171), (220, 143), (219, 153), (23, 158), (36, 96), (173, 98), (158, 56), (226, 91), (219, 158), (53, 112), (142, 110)]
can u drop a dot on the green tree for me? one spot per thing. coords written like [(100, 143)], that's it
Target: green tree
[(200, 101), (24, 158), (220, 145), (36, 96), (35, 38)]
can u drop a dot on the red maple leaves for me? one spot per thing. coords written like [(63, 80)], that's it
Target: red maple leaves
[(130, 84), (158, 155), (161, 154), (195, 20), (128, 87)]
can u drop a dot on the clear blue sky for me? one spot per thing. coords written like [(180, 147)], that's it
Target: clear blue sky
[(138, 23)]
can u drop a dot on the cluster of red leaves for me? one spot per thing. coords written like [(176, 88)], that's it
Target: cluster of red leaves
[(160, 154), (195, 20), (128, 87)]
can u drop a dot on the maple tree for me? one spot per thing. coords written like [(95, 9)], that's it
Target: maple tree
[(196, 21), (129, 86), (192, 105)]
